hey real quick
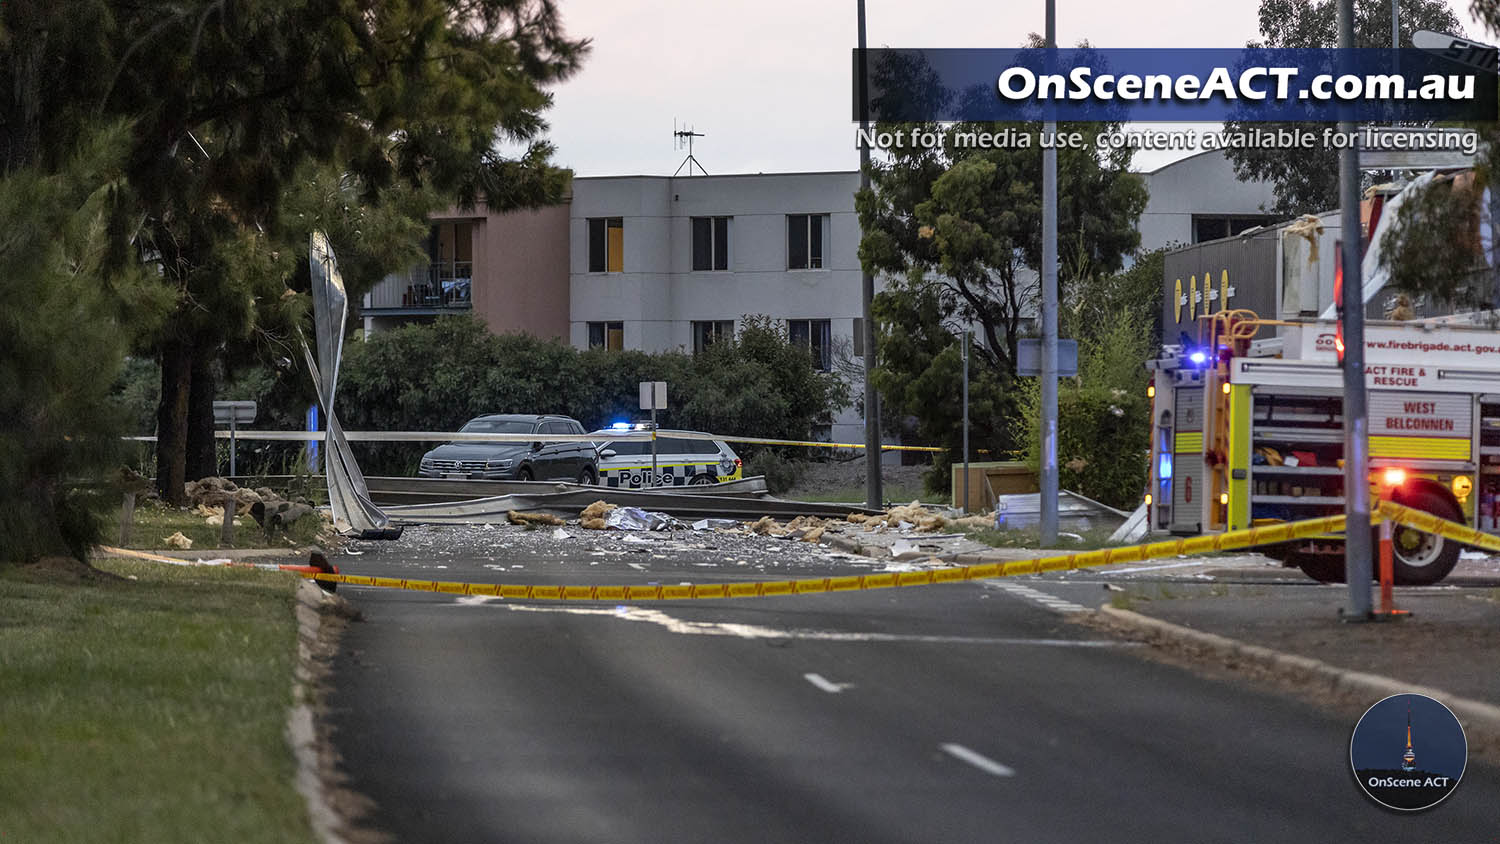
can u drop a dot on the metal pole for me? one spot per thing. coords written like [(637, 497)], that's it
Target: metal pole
[(231, 442), (1049, 315), (965, 506), (867, 293), (1357, 545), (653, 433), (1395, 24)]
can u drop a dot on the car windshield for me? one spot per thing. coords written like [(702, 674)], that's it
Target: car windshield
[(497, 426)]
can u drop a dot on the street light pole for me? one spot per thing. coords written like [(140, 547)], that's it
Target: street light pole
[(867, 292), (1357, 545), (1049, 314)]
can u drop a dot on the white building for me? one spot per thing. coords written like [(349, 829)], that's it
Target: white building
[(663, 263), (1197, 199), (671, 263)]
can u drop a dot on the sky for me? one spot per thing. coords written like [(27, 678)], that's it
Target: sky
[(769, 82)]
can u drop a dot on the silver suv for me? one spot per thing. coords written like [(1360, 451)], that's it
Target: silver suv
[(515, 461)]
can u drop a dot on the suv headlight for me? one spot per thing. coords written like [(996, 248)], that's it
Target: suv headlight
[(427, 463), (498, 464)]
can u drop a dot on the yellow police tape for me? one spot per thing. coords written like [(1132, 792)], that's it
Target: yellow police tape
[(1227, 541), (1428, 523)]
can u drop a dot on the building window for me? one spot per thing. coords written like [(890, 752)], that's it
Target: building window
[(606, 245), (708, 332), (710, 243), (607, 335), (1208, 227), (805, 236), (816, 335)]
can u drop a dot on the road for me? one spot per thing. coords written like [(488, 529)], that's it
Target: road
[(970, 712)]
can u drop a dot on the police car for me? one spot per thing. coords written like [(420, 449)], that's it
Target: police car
[(679, 461)]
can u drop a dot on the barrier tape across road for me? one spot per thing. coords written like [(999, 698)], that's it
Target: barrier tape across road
[(1227, 541)]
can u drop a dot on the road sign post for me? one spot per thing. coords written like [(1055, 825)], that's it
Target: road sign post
[(233, 414), (653, 398)]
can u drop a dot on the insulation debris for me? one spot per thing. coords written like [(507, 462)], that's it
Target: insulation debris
[(178, 541), (516, 517)]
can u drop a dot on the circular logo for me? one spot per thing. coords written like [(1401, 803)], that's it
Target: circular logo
[(1408, 752)]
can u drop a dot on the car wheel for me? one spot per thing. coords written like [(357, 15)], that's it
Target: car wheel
[(701, 480), (587, 477), (525, 474), (1421, 558)]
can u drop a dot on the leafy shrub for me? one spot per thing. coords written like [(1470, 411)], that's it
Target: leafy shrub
[(781, 473), (437, 376)]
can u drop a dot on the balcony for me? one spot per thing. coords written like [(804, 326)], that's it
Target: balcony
[(425, 288)]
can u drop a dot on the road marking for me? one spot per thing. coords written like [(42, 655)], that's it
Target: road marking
[(753, 631), (636, 566), (980, 761), (827, 685), (1037, 597), (1189, 564)]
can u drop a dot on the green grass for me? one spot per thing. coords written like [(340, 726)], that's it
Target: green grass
[(155, 522), (150, 709)]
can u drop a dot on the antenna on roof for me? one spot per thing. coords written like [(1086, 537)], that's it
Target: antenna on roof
[(686, 134)]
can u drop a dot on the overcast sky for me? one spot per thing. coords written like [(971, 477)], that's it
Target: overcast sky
[(769, 82)]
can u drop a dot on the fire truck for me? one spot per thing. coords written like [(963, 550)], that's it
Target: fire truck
[(1248, 430)]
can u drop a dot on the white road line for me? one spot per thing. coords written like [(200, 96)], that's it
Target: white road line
[(752, 631), (1135, 569), (983, 763), (827, 685), (636, 566), (1051, 602)]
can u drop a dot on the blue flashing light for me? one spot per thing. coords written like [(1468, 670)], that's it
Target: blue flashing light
[(1164, 466), (1198, 358), (620, 426)]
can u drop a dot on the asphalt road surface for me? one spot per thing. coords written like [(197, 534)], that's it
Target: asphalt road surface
[(968, 712)]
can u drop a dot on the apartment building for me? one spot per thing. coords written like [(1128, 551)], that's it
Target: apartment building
[(663, 263)]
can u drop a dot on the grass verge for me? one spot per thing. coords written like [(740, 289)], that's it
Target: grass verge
[(147, 708), (155, 522)]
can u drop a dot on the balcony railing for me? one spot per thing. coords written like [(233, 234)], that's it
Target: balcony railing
[(444, 284)]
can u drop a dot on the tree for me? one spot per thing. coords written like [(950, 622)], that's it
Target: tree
[(957, 231), (1306, 180), (436, 377), (1435, 251), (231, 104), (61, 347)]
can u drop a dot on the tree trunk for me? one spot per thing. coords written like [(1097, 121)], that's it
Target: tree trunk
[(202, 459), (171, 421)]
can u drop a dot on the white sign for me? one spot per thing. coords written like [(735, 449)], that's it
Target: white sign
[(650, 389), (1421, 414), (1407, 345)]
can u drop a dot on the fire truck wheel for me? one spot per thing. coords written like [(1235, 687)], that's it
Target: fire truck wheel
[(1422, 558)]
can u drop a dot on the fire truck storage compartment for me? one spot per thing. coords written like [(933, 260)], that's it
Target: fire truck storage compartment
[(1188, 488), (1487, 511), (1296, 447)]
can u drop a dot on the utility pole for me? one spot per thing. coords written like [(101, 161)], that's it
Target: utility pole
[(867, 291), (1357, 545), (1049, 311), (965, 506)]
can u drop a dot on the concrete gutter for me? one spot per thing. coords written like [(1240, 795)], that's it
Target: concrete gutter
[(301, 731), (1476, 716)]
